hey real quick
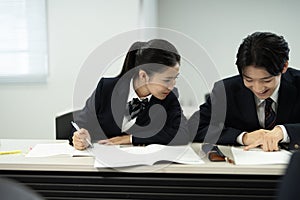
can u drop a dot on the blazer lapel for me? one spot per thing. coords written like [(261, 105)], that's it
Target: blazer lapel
[(119, 100), (247, 106)]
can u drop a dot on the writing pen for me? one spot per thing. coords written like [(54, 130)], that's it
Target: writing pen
[(78, 129)]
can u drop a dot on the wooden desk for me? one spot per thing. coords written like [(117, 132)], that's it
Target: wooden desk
[(65, 177)]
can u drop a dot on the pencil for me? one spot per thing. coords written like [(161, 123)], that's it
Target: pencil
[(10, 152)]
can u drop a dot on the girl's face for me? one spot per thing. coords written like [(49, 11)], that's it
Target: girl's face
[(161, 84)]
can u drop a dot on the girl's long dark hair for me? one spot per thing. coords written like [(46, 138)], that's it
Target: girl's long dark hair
[(152, 56)]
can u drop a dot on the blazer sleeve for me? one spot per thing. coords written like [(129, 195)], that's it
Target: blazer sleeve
[(174, 130), (208, 124), (289, 100), (87, 117), (293, 132)]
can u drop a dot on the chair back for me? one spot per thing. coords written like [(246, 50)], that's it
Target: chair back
[(289, 187), (13, 190), (63, 126)]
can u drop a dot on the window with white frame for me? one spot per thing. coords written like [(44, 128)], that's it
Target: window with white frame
[(23, 41)]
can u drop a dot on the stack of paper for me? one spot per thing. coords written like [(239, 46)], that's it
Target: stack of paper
[(259, 157)]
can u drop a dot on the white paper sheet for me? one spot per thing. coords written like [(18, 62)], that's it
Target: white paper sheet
[(259, 157), (118, 156), (54, 149), (82, 153)]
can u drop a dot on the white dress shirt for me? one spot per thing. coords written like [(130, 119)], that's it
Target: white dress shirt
[(260, 109), (127, 121)]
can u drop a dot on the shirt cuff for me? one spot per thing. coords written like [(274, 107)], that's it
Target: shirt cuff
[(239, 139), (130, 137), (286, 138)]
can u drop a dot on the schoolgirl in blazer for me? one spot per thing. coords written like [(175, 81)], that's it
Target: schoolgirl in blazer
[(140, 106)]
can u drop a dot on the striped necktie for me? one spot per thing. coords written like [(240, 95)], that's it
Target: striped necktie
[(270, 115)]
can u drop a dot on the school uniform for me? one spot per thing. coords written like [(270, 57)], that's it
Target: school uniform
[(161, 122), (231, 110)]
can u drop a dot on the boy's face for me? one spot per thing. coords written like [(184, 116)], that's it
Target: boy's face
[(260, 81)]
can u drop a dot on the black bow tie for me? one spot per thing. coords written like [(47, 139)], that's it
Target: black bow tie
[(136, 106)]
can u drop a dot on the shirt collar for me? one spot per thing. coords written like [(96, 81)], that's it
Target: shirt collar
[(132, 94)]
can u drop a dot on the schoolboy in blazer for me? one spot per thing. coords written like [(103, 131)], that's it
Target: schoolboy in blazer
[(149, 72), (234, 113)]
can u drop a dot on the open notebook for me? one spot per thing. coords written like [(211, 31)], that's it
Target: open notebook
[(121, 156), (118, 156)]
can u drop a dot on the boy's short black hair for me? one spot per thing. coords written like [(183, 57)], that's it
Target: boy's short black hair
[(264, 50)]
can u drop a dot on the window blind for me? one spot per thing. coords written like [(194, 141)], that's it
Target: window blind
[(23, 41)]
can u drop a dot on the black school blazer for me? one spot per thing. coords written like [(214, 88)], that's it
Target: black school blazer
[(103, 115), (235, 111)]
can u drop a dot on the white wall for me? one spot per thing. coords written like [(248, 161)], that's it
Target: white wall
[(220, 25), (75, 28)]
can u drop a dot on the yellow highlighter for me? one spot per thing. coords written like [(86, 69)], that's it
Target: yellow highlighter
[(10, 152)]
